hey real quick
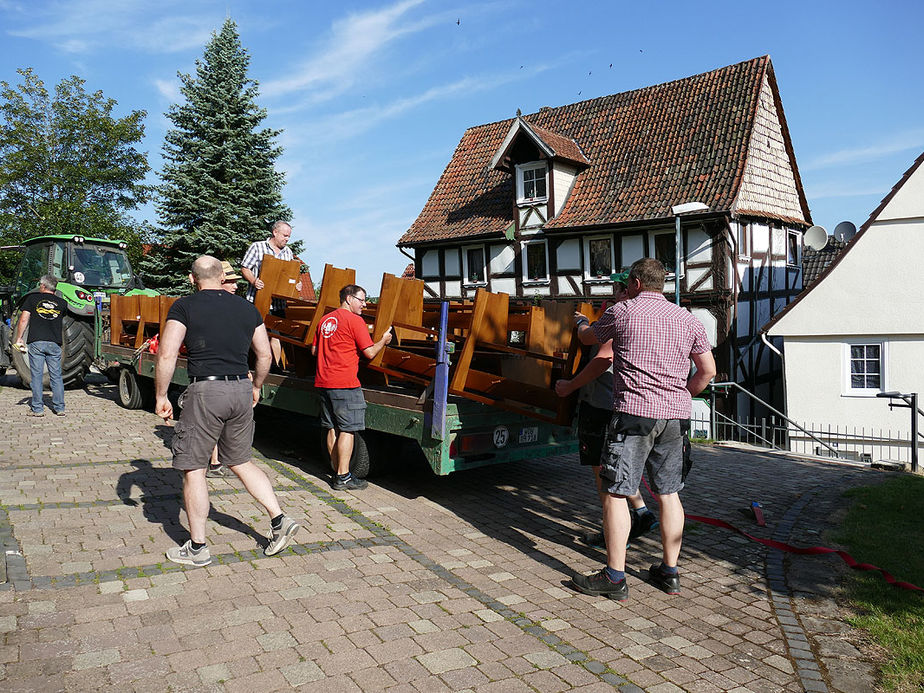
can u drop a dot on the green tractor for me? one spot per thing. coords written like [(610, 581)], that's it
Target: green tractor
[(88, 270)]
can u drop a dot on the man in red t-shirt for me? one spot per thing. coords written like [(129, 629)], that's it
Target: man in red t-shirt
[(342, 335)]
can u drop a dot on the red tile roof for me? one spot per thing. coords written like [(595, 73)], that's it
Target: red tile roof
[(408, 271), (648, 149)]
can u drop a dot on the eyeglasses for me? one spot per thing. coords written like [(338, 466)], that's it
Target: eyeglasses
[(361, 300)]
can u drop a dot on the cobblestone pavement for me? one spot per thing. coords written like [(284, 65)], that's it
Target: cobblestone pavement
[(418, 583)]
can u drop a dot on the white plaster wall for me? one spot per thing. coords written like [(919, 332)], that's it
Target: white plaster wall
[(876, 288), (633, 248), (453, 289), (504, 285), (451, 260), (537, 290), (709, 322), (430, 263), (569, 255), (564, 286), (435, 288), (778, 242), (502, 257), (694, 274), (815, 372), (563, 177), (601, 289), (908, 202), (760, 238), (699, 245)]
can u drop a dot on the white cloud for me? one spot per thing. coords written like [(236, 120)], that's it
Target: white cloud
[(169, 89), (352, 43), (910, 139), (341, 126), (83, 27)]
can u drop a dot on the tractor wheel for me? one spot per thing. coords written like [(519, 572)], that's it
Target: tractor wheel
[(135, 392), (76, 354)]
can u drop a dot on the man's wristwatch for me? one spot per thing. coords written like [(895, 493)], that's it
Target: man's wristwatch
[(583, 320)]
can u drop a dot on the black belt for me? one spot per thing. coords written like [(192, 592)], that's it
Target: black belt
[(199, 378)]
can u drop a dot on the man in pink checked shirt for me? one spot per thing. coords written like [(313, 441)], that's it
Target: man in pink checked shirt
[(653, 344)]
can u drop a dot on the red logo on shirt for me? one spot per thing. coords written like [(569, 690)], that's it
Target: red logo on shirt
[(329, 326)]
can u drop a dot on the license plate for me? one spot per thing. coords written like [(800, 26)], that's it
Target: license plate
[(529, 435)]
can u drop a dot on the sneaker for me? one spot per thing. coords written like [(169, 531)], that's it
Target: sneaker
[(642, 524), (595, 539), (35, 413), (187, 556), (219, 472), (282, 536), (351, 484), (664, 582), (60, 412), (599, 585)]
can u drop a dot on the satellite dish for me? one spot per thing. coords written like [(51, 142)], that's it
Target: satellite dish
[(816, 238), (845, 231)]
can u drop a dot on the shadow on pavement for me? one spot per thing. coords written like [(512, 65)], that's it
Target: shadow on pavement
[(161, 501)]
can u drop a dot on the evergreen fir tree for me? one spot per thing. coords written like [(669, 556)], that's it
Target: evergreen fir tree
[(220, 190)]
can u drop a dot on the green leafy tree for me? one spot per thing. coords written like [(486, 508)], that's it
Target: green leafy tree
[(67, 164), (220, 190)]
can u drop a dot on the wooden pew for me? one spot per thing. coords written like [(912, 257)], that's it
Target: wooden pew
[(279, 278)]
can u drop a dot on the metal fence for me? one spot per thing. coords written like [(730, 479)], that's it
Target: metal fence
[(826, 440)]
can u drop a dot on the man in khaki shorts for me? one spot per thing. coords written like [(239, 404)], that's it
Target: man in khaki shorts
[(218, 329)]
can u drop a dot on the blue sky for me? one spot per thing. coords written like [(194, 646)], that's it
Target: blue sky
[(373, 97)]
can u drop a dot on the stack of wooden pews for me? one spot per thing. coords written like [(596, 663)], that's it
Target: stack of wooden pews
[(507, 354)]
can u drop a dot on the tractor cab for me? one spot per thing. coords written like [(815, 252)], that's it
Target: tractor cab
[(81, 265)]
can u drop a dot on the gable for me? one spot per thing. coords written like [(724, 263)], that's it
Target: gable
[(647, 150), (873, 287), (768, 185)]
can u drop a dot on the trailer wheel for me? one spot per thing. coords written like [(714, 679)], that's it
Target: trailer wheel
[(134, 391), (360, 461)]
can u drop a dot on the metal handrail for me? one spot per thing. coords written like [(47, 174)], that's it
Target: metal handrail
[(746, 430), (728, 384)]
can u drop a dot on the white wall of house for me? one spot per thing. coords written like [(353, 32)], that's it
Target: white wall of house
[(870, 302), (817, 381), (562, 182)]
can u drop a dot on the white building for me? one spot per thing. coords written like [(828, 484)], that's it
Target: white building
[(859, 330)]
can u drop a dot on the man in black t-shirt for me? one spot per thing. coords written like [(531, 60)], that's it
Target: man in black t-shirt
[(218, 329), (43, 313)]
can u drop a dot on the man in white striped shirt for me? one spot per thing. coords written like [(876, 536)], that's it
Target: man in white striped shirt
[(275, 245)]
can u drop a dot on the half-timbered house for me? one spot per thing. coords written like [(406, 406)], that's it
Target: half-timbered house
[(549, 204)]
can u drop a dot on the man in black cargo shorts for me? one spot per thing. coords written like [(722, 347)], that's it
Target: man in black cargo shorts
[(218, 329)]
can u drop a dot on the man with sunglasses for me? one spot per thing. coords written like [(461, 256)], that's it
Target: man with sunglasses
[(341, 337)]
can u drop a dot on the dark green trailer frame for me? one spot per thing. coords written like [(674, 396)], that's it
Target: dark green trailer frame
[(453, 433)]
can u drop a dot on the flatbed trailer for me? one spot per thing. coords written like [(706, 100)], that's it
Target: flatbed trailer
[(453, 433)]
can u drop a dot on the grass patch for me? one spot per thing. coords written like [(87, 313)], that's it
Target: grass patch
[(884, 527)]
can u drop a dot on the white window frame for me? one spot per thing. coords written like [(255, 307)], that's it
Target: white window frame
[(668, 276), (484, 255), (744, 248), (587, 241), (797, 261), (848, 389), (521, 168), (523, 255)]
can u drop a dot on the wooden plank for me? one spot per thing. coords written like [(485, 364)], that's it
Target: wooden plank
[(279, 278)]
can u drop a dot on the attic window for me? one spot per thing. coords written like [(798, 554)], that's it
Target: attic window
[(532, 185)]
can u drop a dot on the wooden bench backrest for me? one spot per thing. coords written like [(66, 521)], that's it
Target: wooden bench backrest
[(279, 278)]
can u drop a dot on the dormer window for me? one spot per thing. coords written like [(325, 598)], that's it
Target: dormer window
[(532, 185)]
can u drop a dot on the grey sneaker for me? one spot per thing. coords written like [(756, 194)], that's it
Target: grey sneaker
[(219, 472), (60, 412), (351, 484), (282, 536), (35, 413), (186, 556)]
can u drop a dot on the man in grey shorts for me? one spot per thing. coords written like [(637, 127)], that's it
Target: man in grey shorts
[(341, 337), (218, 329), (653, 344)]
